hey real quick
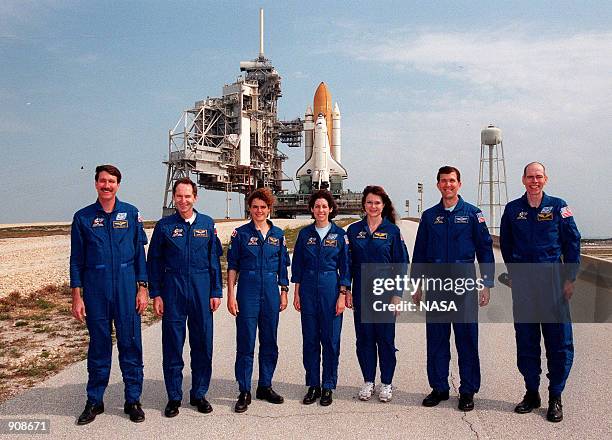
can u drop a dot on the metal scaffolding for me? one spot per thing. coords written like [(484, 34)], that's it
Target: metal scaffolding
[(231, 143)]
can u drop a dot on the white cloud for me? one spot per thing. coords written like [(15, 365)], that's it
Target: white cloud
[(549, 94)]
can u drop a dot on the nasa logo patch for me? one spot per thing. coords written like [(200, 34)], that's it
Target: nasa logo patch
[(253, 241)]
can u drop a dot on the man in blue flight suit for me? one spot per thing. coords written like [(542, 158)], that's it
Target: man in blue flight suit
[(258, 255), (185, 284), (454, 233), (538, 228), (107, 262)]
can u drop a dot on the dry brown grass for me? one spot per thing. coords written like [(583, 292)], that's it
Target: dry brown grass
[(39, 337)]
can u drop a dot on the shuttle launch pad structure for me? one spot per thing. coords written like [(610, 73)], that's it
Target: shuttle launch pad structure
[(230, 143)]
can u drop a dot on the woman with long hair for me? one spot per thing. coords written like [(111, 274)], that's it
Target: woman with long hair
[(374, 239), (320, 271)]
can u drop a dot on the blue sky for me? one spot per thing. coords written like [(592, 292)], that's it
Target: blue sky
[(84, 83)]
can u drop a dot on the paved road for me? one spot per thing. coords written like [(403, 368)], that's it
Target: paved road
[(586, 400)]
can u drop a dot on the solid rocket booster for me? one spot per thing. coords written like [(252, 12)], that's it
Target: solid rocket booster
[(322, 144)]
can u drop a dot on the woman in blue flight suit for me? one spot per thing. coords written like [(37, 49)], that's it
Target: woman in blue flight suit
[(320, 271), (375, 239), (258, 254)]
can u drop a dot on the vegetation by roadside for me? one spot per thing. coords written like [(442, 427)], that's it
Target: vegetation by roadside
[(39, 337)]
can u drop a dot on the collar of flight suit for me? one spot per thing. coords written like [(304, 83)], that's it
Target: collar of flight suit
[(364, 224), (457, 207), (181, 219), (545, 201), (99, 207), (311, 228)]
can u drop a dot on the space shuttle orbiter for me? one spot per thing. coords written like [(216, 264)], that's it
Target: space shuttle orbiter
[(322, 146)]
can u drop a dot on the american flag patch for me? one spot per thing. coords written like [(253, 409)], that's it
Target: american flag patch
[(566, 212), (346, 239), (139, 217), (481, 217)]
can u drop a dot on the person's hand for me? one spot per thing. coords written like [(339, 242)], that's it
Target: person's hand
[(296, 302), (158, 306), (214, 304), (417, 296), (232, 305), (396, 300), (340, 304), (348, 299), (568, 289), (283, 301), (78, 306), (142, 299), (483, 296)]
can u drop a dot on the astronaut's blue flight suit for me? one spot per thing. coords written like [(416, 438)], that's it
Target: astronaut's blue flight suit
[(453, 239), (107, 259), (546, 235), (321, 267), (261, 263), (385, 245), (184, 269)]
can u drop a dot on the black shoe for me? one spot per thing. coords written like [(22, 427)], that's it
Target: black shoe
[(135, 411), (172, 408), (555, 410), (269, 395), (89, 413), (530, 401), (312, 395), (326, 397), (203, 405), (244, 400), (435, 397), (466, 401)]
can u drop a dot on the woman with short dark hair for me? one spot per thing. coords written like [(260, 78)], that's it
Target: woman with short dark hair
[(259, 254), (320, 271)]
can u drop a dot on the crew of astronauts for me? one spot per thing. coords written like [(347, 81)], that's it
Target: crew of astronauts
[(112, 281)]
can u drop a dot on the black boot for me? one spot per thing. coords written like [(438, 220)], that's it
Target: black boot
[(203, 405), (134, 410), (466, 401), (89, 413), (326, 397), (530, 401), (435, 397), (172, 408), (555, 409), (269, 395), (312, 395), (244, 400)]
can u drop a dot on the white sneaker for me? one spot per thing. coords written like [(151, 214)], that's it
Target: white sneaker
[(386, 393), (366, 392)]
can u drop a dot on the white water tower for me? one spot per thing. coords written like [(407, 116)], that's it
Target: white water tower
[(492, 190)]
